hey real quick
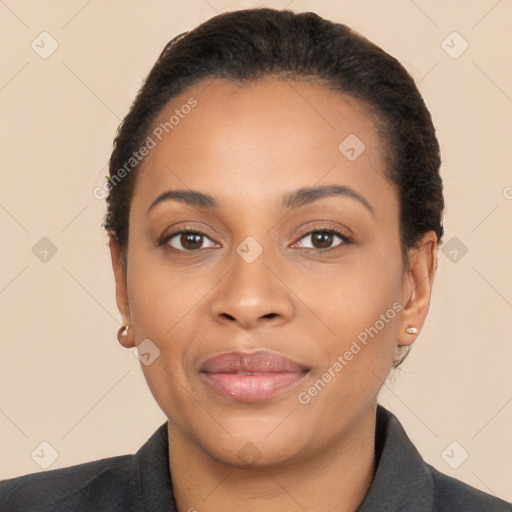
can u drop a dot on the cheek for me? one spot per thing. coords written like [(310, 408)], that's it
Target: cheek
[(165, 304), (351, 298), (356, 312), (361, 312), (162, 295)]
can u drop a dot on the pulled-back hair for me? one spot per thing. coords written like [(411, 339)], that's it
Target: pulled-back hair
[(249, 44), (243, 46)]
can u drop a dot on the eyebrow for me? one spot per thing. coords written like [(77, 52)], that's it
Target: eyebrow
[(190, 197), (292, 200), (308, 195)]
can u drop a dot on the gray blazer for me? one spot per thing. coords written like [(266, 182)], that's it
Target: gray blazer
[(403, 482)]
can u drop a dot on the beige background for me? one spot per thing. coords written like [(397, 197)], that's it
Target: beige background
[(65, 379)]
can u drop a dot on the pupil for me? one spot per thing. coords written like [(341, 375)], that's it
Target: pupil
[(323, 238)]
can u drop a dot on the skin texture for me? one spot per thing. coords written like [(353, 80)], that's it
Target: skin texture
[(248, 146)]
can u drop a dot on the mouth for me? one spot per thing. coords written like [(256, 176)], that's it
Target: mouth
[(251, 377)]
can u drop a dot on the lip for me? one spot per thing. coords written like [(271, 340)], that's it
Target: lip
[(251, 376)]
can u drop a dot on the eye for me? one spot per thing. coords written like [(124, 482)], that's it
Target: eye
[(187, 240), (322, 239)]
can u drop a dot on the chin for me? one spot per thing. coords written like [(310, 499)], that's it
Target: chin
[(258, 453)]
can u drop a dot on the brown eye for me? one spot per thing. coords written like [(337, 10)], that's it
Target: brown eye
[(188, 241), (191, 241), (323, 239)]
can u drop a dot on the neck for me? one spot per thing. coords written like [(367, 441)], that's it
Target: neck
[(335, 480)]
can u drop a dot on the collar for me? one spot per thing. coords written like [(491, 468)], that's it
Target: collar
[(402, 481), (152, 478)]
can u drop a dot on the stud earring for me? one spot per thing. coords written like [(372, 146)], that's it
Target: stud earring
[(411, 330), (122, 332)]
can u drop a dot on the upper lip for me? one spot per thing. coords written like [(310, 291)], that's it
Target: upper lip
[(261, 361)]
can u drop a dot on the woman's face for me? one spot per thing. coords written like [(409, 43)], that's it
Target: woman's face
[(323, 312)]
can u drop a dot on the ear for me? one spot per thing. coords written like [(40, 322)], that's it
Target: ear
[(417, 287), (123, 304)]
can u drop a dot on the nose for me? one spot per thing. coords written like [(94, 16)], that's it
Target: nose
[(252, 295)]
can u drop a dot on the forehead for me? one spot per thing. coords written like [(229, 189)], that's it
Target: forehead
[(262, 139)]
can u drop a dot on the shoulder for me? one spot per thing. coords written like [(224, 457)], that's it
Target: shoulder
[(452, 495), (74, 488), (404, 481)]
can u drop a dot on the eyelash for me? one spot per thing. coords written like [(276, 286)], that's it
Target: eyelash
[(345, 240)]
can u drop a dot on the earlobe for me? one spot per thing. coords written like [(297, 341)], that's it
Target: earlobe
[(417, 288), (124, 335)]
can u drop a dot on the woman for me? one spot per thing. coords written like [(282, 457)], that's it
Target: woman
[(274, 213)]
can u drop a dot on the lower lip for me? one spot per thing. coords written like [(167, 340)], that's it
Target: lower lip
[(252, 387)]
